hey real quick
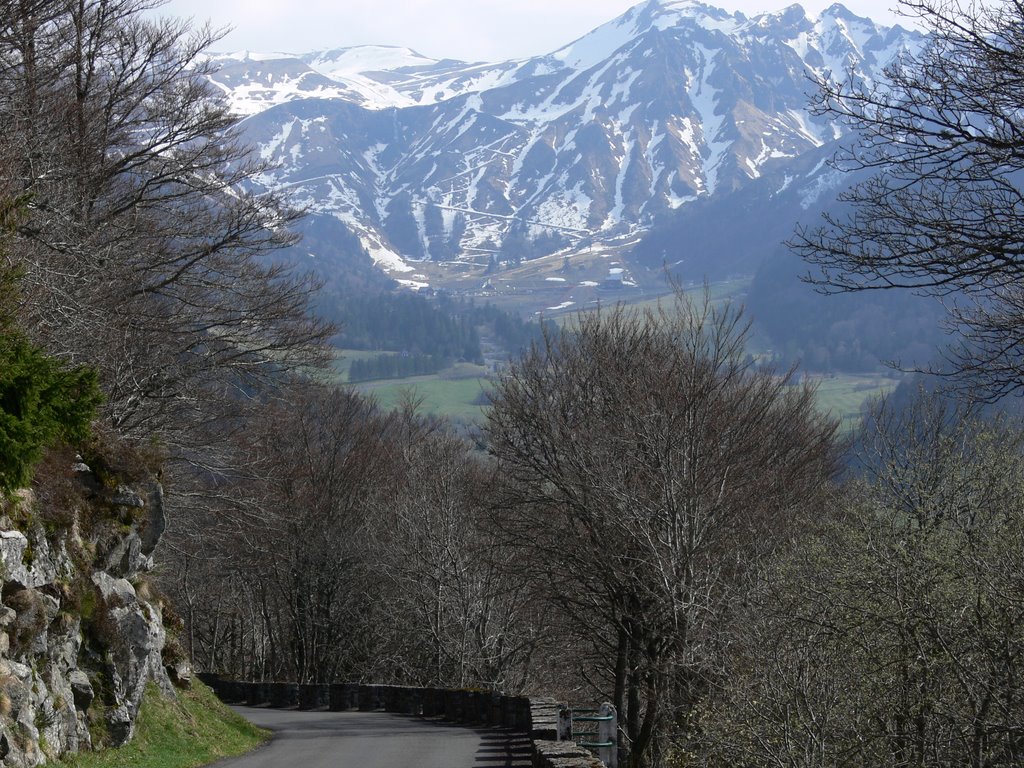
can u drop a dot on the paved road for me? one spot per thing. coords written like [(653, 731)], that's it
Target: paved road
[(375, 740)]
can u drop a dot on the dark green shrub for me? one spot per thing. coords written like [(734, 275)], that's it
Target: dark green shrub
[(41, 402)]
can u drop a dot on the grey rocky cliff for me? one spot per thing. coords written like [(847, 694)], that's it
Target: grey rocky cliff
[(80, 640)]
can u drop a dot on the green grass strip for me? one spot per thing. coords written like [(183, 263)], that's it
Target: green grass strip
[(195, 730)]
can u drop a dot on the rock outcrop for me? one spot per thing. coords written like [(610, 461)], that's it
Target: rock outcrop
[(80, 638)]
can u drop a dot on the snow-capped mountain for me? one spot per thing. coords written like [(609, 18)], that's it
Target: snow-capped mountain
[(671, 103)]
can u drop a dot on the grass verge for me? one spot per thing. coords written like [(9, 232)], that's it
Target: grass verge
[(844, 395), (195, 730), (456, 398)]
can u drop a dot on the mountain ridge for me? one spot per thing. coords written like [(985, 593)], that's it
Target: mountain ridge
[(473, 165)]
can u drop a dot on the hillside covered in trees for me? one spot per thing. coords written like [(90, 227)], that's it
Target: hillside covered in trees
[(851, 333)]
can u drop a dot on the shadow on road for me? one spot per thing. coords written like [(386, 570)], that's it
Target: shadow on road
[(503, 750)]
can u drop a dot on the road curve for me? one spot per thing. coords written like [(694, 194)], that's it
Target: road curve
[(375, 740)]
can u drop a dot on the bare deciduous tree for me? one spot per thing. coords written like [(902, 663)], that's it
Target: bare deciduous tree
[(648, 466), (143, 253), (944, 212), (895, 636), (461, 615), (353, 545)]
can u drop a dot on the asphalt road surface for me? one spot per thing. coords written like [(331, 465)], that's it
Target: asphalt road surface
[(376, 740)]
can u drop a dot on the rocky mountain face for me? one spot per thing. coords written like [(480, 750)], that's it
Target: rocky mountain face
[(80, 637), (672, 103)]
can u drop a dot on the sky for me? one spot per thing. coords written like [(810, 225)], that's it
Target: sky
[(472, 30)]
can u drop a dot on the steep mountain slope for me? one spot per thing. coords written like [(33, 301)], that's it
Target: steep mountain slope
[(670, 104)]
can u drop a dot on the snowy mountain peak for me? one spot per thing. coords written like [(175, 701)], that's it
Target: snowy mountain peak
[(652, 16), (672, 102), (361, 59), (840, 11), (692, 9), (252, 56)]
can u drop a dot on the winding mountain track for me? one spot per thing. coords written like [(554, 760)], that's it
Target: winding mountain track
[(376, 740)]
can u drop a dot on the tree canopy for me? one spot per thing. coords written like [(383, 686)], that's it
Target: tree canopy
[(142, 251), (944, 212), (893, 635), (647, 464)]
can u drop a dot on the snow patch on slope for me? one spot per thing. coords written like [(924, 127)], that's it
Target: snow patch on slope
[(343, 62), (704, 98)]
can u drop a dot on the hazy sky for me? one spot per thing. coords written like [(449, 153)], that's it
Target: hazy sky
[(488, 30)]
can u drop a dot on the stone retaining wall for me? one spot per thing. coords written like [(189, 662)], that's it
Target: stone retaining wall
[(537, 717)]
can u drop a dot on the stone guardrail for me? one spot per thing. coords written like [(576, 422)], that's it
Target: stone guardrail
[(534, 717)]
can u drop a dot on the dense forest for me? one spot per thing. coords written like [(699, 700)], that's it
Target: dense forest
[(851, 333), (395, 366), (406, 322), (427, 334)]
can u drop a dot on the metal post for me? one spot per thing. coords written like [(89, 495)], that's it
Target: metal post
[(564, 723), (608, 733)]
